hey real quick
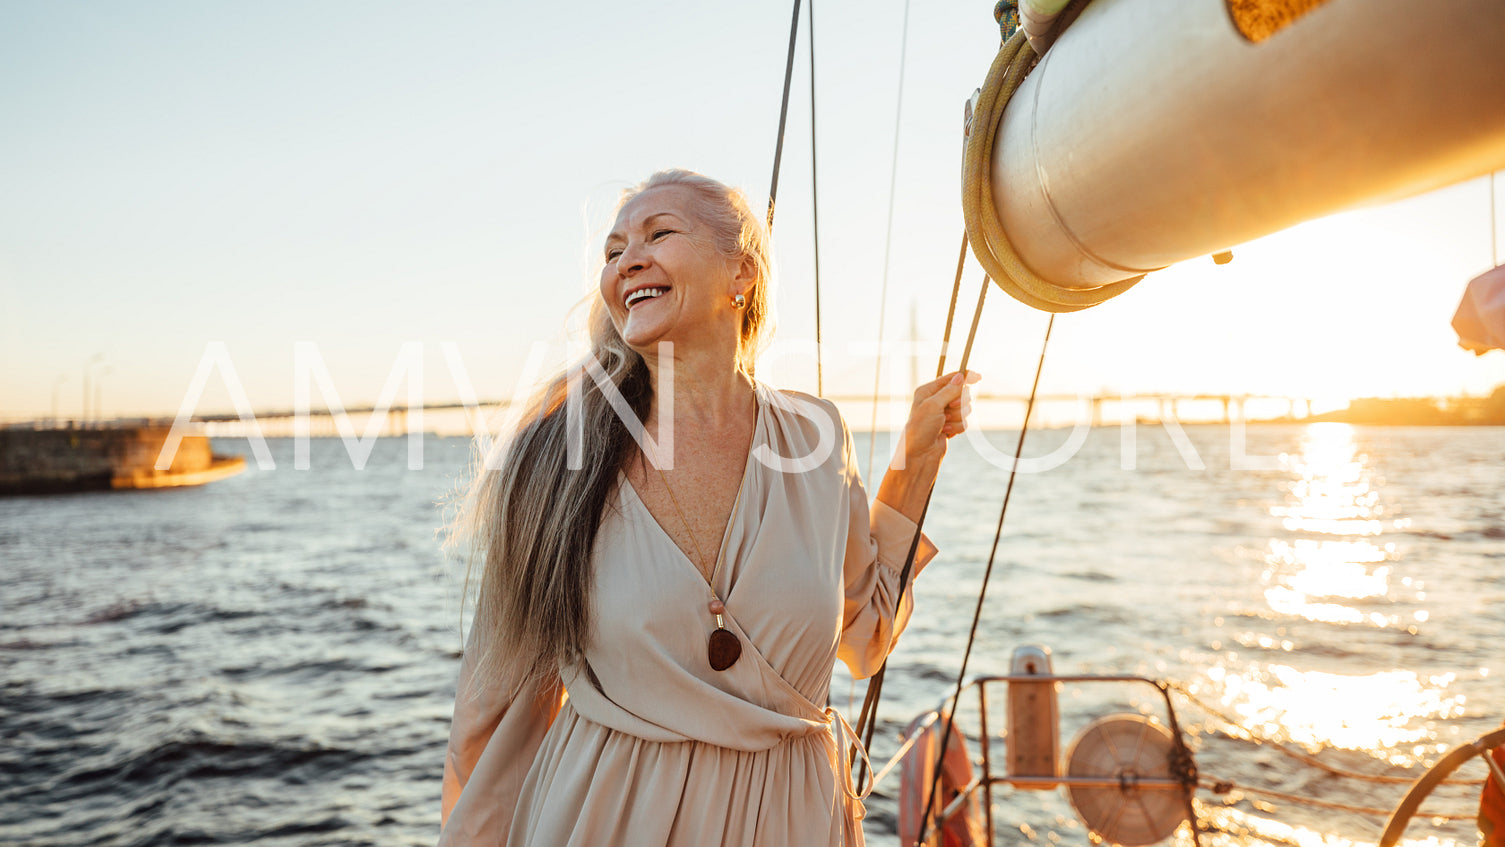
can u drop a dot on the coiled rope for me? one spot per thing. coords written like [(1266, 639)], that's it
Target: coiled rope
[(990, 244)]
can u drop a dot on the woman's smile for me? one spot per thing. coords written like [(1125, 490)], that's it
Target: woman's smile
[(663, 279), (642, 294)]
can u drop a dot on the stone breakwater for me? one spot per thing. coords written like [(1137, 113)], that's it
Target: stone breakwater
[(38, 461)]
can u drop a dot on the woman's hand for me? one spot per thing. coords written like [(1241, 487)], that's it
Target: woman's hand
[(939, 412)]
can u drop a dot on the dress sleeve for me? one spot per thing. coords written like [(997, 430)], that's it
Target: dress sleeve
[(492, 741), (878, 539)]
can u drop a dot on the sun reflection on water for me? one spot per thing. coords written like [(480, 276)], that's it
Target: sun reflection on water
[(1388, 711), (1332, 493), (1286, 601), (1299, 572), (1232, 820), (1335, 568)]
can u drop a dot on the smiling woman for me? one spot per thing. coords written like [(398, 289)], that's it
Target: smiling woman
[(673, 557), (673, 225)]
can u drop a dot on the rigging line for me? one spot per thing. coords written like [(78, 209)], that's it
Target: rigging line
[(1494, 230), (956, 290), (982, 294), (982, 592), (1327, 804), (867, 721), (778, 148), (888, 239), (1299, 756), (875, 687), (820, 380)]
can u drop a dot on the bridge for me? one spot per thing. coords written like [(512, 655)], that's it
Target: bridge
[(1140, 407), (1111, 409)]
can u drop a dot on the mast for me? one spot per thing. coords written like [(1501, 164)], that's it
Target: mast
[(1153, 132)]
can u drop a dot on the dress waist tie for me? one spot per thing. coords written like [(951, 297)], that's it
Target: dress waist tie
[(847, 740)]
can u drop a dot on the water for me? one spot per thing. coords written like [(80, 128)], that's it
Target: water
[(271, 658)]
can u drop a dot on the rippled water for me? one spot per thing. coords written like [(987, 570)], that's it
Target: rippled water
[(271, 657)]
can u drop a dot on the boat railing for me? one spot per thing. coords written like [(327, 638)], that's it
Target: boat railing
[(1180, 769), (1166, 765)]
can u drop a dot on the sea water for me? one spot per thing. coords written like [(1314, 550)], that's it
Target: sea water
[(271, 658)]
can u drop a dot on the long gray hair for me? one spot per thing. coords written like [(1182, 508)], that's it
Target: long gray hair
[(531, 523)]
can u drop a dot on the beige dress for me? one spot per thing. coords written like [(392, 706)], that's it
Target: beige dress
[(658, 748)]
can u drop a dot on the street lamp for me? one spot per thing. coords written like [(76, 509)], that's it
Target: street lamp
[(98, 357), (56, 384), (98, 385)]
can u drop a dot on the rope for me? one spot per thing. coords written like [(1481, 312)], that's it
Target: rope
[(1494, 230), (1303, 757), (778, 147), (982, 592), (989, 242), (867, 720), (870, 714), (956, 290), (875, 689), (905, 745), (1006, 13), (1183, 766), (888, 239), (820, 380), (1225, 786)]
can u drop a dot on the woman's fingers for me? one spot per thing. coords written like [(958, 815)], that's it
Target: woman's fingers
[(956, 419), (955, 378), (946, 390), (965, 399), (941, 408)]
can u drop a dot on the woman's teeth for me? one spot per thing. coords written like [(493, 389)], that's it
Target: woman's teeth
[(643, 294)]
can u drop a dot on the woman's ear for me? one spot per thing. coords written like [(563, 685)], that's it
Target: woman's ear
[(745, 276)]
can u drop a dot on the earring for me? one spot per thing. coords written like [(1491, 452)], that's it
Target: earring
[(739, 302)]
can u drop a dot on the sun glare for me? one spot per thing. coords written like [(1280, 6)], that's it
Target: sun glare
[(1331, 494), (1336, 569), (1389, 710)]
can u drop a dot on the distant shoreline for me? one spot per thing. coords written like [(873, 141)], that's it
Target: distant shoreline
[(1422, 411)]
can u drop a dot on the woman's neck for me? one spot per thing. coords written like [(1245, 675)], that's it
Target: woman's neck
[(709, 390)]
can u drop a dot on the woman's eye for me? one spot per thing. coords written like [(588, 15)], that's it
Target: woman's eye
[(611, 255), (661, 233)]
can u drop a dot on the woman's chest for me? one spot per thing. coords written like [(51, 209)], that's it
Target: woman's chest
[(692, 503), (781, 579)]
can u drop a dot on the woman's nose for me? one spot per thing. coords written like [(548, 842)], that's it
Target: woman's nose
[(632, 260)]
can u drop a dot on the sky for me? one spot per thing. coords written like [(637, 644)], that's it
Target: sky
[(348, 178)]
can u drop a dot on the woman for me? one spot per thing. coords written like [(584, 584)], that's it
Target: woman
[(657, 625)]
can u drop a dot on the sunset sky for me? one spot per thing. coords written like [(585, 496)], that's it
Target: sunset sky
[(363, 174)]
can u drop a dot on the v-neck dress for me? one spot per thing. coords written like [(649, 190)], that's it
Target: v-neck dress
[(647, 745)]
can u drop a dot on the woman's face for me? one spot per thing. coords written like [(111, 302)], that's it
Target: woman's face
[(664, 279)]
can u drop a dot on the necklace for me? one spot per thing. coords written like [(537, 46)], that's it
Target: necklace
[(722, 649)]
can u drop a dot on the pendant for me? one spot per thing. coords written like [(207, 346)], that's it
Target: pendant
[(723, 649)]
